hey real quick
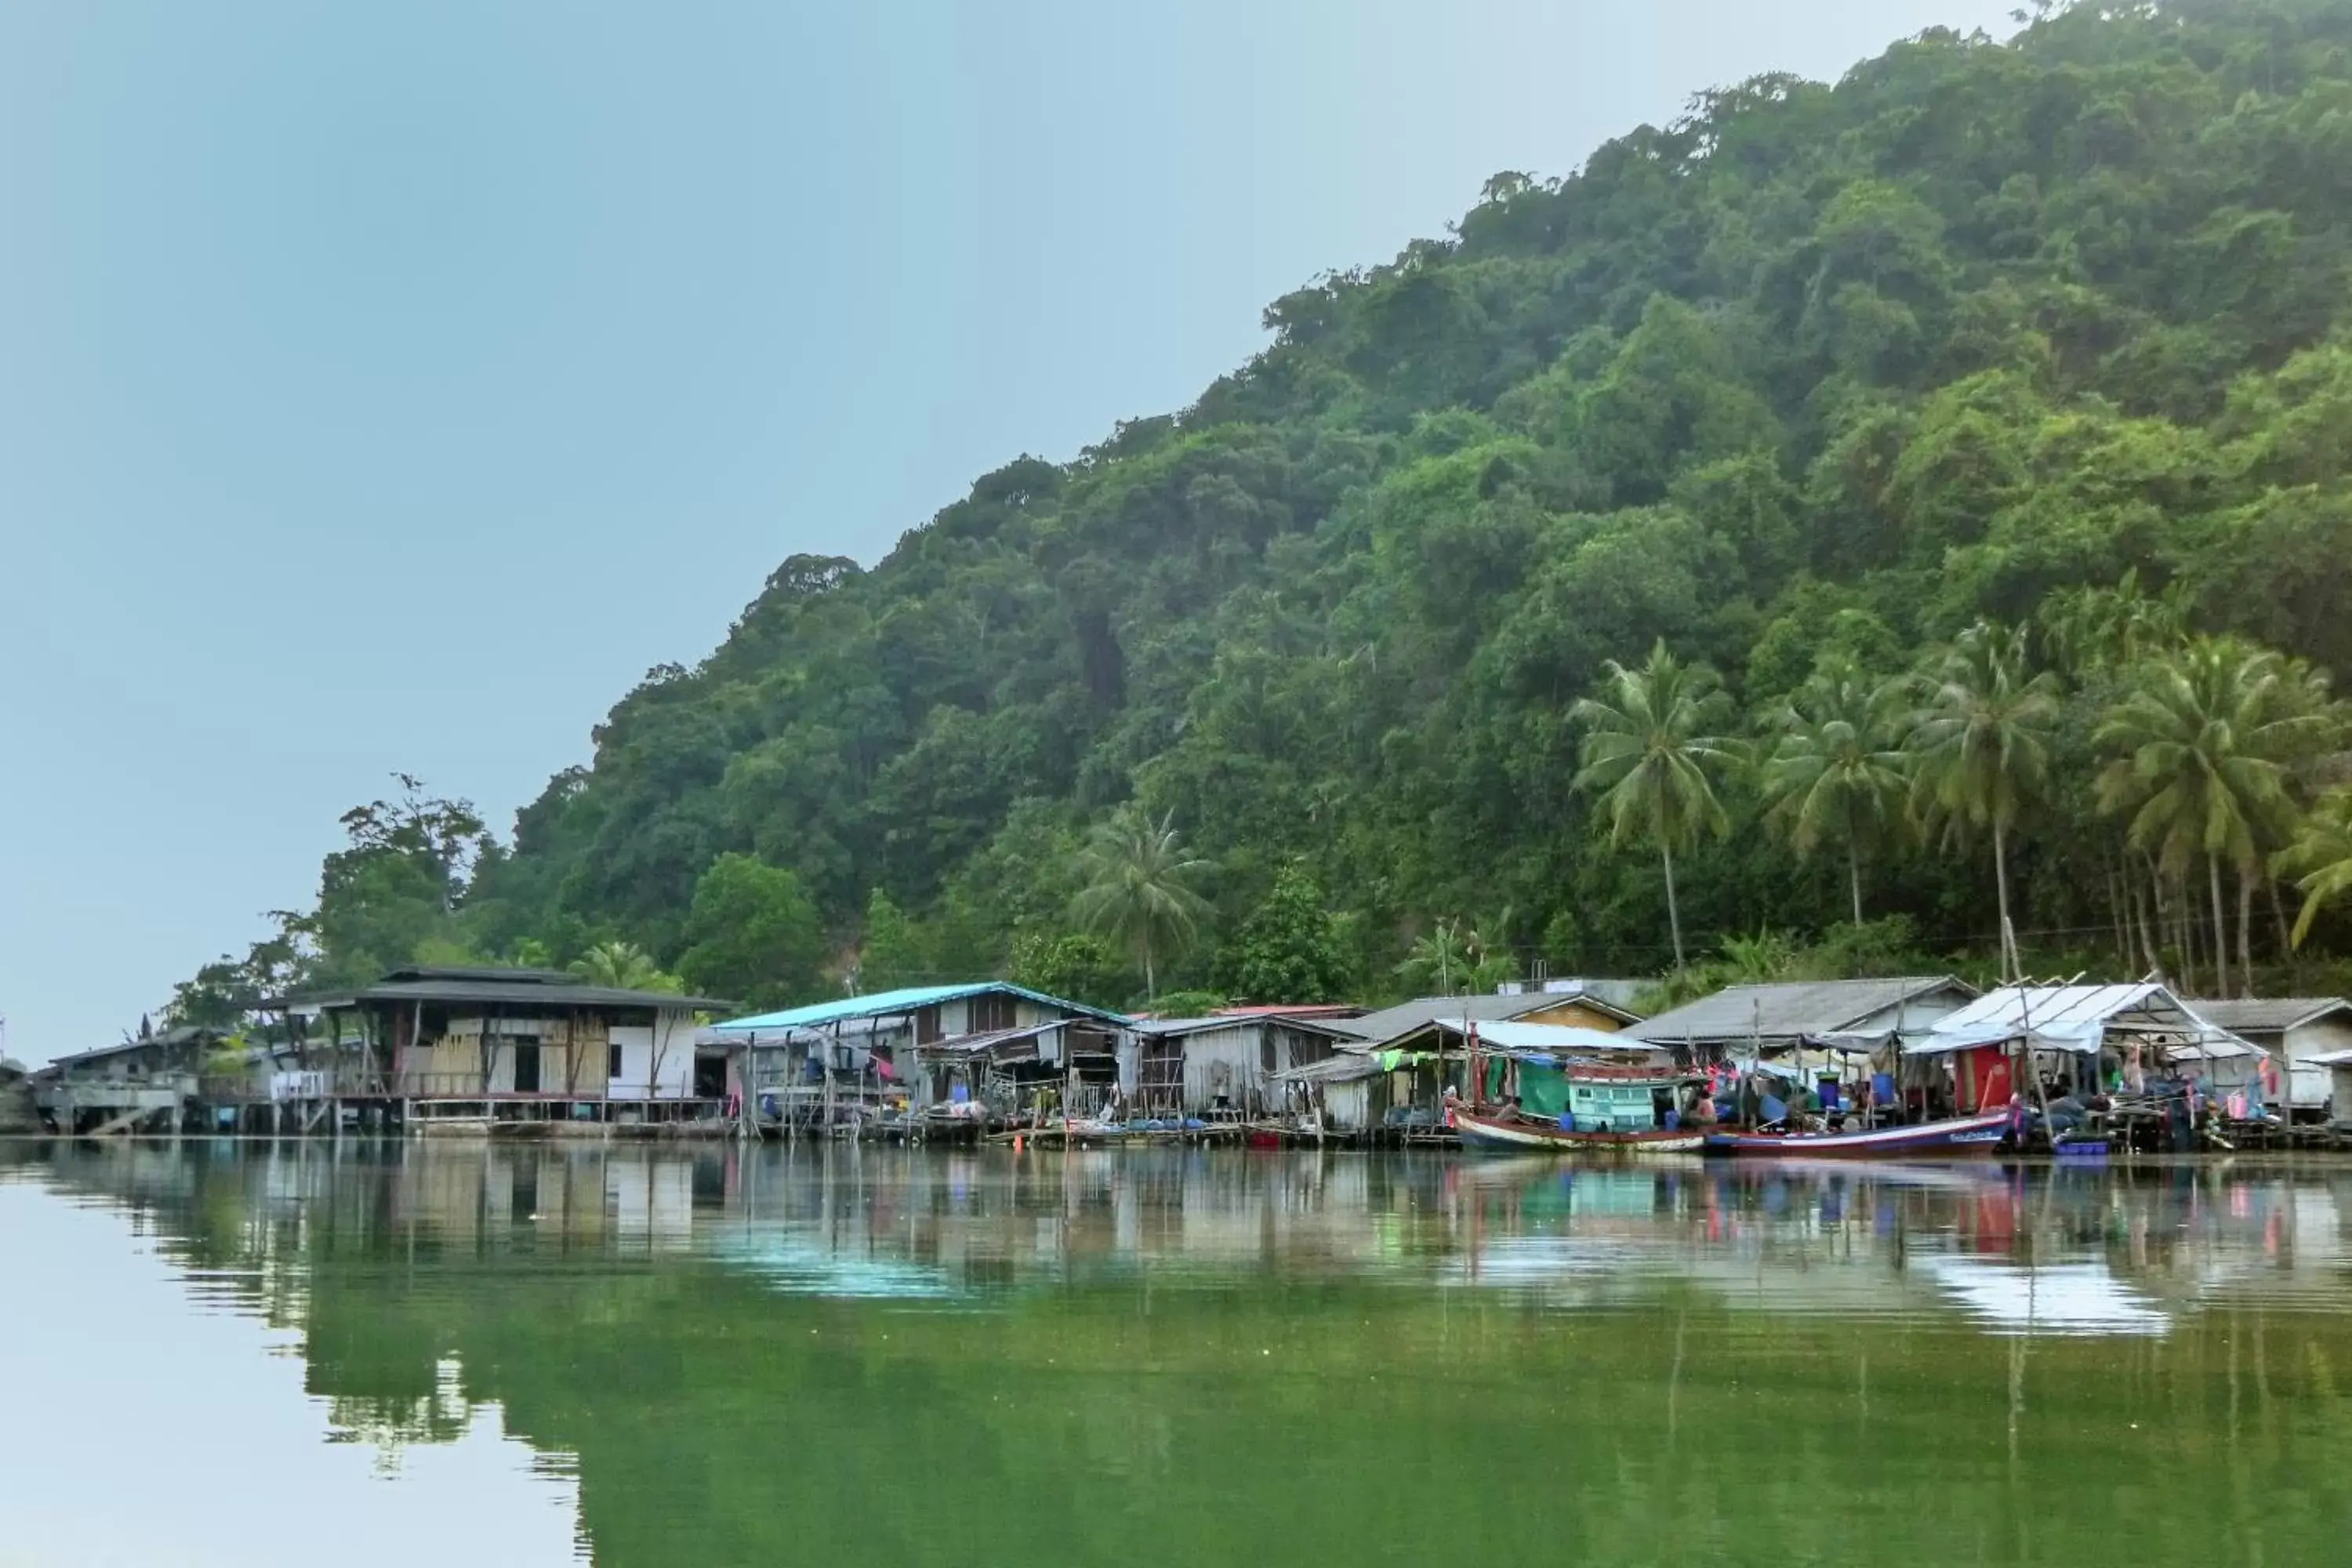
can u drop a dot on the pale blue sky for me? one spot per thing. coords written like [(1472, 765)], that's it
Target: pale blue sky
[(388, 386)]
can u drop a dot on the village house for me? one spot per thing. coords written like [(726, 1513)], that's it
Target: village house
[(972, 1049), (2338, 1065), (1605, 1005), (468, 1046), (16, 1113), (1227, 1063), (145, 1085), (2294, 1032), (2080, 1039), (1770, 1019)]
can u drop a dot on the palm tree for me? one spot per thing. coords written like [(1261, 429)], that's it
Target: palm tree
[(1438, 957), (2202, 746), (1652, 746), (2320, 858), (1139, 888), (1839, 774), (623, 966), (1980, 748)]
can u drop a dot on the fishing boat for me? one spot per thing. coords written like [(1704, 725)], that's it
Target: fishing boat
[(1479, 1130), (1978, 1134)]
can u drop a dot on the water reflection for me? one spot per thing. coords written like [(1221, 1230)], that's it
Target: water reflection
[(2030, 1250), (747, 1354)]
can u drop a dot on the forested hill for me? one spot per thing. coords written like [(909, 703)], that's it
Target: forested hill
[(2049, 333)]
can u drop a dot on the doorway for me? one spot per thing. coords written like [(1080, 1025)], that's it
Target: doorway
[(709, 1077)]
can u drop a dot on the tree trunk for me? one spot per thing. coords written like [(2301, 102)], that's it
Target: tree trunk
[(1674, 911), (1151, 983), (2009, 960), (1854, 880), (2245, 933), (2142, 930), (2278, 918), (2116, 915), (2221, 927), (2184, 931)]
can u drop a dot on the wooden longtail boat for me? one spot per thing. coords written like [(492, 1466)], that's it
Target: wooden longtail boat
[(1511, 1133), (1978, 1134)]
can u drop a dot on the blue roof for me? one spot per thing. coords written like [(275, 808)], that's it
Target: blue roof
[(906, 999)]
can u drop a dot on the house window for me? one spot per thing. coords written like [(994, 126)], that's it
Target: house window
[(927, 1025), (990, 1013), (612, 1061)]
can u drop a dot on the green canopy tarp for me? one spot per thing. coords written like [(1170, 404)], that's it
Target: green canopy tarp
[(1543, 1091)]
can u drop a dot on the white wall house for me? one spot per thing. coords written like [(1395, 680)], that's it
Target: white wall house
[(2292, 1031)]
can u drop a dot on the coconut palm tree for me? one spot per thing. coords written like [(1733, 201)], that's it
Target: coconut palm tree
[(1980, 748), (1653, 746), (1438, 958), (2203, 745), (623, 966), (1139, 888), (1838, 774), (2320, 858)]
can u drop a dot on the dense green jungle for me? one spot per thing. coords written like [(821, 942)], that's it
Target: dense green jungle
[(1894, 523)]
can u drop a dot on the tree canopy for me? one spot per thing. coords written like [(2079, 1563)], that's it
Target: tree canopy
[(2049, 334)]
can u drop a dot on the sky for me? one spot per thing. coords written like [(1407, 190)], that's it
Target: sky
[(387, 388)]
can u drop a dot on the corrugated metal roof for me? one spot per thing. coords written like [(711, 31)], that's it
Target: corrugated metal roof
[(1559, 1039), (1345, 1067), (1793, 1009), (1389, 1022), (529, 991), (907, 999), (2268, 1015), (1291, 1010), (1334, 1028)]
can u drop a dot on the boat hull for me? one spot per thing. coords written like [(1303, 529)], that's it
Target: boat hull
[(1504, 1135), (1959, 1135)]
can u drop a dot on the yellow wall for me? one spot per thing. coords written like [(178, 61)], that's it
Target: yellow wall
[(1575, 1015)]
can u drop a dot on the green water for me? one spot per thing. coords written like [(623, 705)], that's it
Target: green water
[(237, 1353)]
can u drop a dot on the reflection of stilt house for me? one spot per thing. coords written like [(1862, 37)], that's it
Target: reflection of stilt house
[(988, 1047)]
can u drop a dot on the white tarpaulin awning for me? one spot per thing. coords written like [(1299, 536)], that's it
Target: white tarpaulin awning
[(2079, 1019)]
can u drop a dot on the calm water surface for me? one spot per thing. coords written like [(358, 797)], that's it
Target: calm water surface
[(239, 1354)]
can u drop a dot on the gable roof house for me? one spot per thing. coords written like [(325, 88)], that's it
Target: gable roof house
[(489, 1045), (1781, 1016), (1226, 1062), (1575, 1004), (2293, 1031), (144, 1084), (985, 1043)]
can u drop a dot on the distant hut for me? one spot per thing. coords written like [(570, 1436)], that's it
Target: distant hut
[(2294, 1032)]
